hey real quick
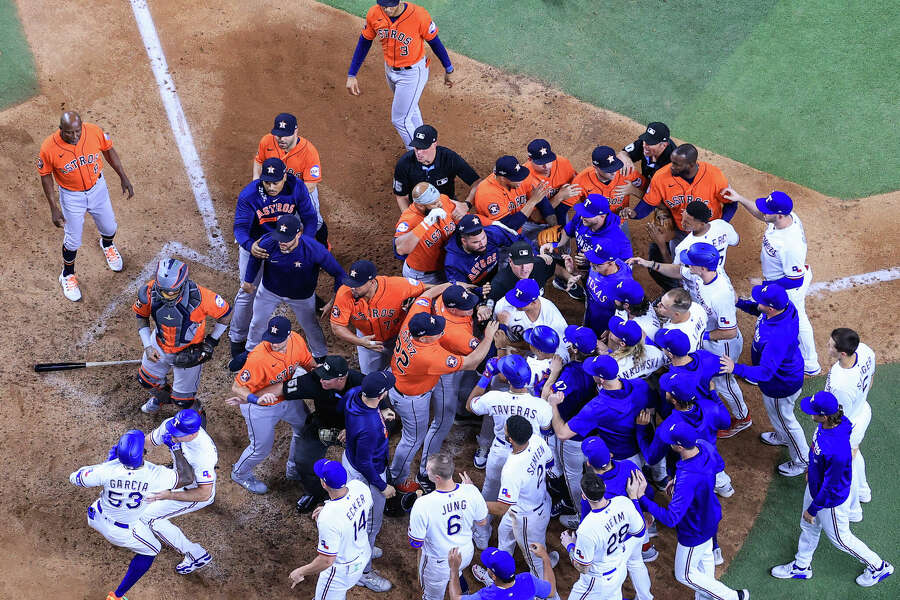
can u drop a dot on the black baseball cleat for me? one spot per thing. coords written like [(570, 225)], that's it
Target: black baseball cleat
[(307, 504), (425, 483), (238, 347)]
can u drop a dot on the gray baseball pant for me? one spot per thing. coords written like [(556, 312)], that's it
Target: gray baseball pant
[(573, 467), (261, 422), (370, 360), (787, 428), (243, 302), (407, 86), (373, 522), (444, 399), (727, 385), (497, 456), (74, 204), (434, 277), (304, 309), (413, 413)]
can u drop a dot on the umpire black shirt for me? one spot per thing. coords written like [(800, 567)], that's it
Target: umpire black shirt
[(441, 173), (506, 280), (329, 412), (635, 151)]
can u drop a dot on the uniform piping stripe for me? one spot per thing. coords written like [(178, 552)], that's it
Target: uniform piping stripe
[(253, 435), (145, 542), (587, 592), (409, 108), (845, 547), (787, 432), (529, 558), (331, 575), (687, 578)]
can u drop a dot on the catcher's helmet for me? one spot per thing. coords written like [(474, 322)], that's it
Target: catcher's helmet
[(516, 370), (171, 275), (543, 338), (130, 449)]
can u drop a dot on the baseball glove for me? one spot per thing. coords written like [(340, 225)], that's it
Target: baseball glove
[(408, 499), (195, 354), (550, 235), (329, 436), (662, 218)]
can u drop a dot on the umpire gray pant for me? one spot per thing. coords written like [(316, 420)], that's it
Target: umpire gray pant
[(243, 303), (304, 309), (413, 413), (261, 422), (373, 522), (727, 385)]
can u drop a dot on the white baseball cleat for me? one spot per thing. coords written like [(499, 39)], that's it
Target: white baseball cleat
[(482, 575), (376, 552), (791, 571), (726, 491), (70, 287), (112, 256), (650, 554), (189, 565), (791, 468), (554, 558), (480, 460), (770, 438), (717, 556), (374, 582), (870, 576)]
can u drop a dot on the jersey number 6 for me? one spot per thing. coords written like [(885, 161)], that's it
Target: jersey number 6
[(453, 525)]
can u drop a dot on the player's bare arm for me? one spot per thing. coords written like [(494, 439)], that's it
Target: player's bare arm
[(454, 561), (731, 195), (266, 396), (627, 164), (474, 359), (183, 468), (344, 333), (667, 269), (112, 157), (560, 427), (470, 197), (257, 170), (498, 508), (403, 202), (318, 564), (536, 195), (556, 366), (55, 212), (540, 551)]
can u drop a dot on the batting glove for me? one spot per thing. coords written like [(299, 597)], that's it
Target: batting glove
[(435, 215), (491, 368)]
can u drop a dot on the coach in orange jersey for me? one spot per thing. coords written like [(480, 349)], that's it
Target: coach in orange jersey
[(421, 233), (419, 361), (368, 311), (557, 171), (509, 195)]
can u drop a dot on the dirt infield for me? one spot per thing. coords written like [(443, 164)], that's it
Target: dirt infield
[(236, 66)]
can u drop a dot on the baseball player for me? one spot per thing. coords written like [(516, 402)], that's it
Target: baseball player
[(827, 496), (701, 364), (259, 393), (200, 453), (605, 177), (179, 308), (594, 224), (343, 549), (632, 304), (606, 272), (421, 233), (499, 576), (694, 511), (500, 405), (523, 308), (783, 259), (71, 158), (543, 342), (701, 227), (509, 195), (473, 254), (290, 275), (127, 479), (258, 207), (636, 359), (300, 158), (850, 380), (401, 27), (368, 311), (444, 520), (600, 549), (683, 314), (558, 173)]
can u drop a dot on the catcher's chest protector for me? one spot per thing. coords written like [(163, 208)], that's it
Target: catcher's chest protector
[(174, 318)]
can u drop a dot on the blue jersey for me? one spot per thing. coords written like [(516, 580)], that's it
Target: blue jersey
[(525, 587), (256, 211), (775, 353), (610, 236), (295, 274), (707, 416), (474, 268), (367, 439), (600, 306), (829, 466), (577, 386), (616, 480), (610, 416)]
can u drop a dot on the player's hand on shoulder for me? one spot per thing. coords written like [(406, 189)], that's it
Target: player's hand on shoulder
[(353, 86), (152, 354), (627, 164), (643, 417), (235, 401), (556, 398), (316, 512), (258, 252), (637, 484)]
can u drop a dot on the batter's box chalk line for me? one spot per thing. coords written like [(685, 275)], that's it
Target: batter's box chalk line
[(846, 283)]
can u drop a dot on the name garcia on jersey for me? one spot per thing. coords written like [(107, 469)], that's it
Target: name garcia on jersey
[(128, 484)]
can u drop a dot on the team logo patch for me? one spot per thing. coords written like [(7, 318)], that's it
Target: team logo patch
[(795, 269), (578, 553), (403, 227), (138, 304), (473, 343), (629, 148), (315, 171), (452, 361), (559, 386), (723, 320), (245, 376), (494, 208), (40, 163), (432, 28), (335, 312), (220, 302), (505, 493), (423, 302)]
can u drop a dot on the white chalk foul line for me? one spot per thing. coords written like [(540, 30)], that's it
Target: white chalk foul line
[(846, 283)]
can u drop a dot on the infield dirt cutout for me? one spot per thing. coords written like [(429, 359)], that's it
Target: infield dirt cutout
[(236, 65)]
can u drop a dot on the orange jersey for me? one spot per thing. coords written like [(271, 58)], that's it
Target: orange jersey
[(383, 314), (428, 255), (402, 39), (494, 201), (561, 173), (418, 366), (173, 331), (589, 183), (458, 337), (676, 193), (265, 367), (77, 167), (301, 161)]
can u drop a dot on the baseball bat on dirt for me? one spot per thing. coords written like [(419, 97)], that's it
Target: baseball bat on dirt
[(68, 366)]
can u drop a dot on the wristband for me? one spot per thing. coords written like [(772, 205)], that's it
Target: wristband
[(218, 330), (706, 336), (252, 398), (449, 69), (570, 548)]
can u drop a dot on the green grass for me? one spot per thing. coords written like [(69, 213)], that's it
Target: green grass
[(804, 89), (18, 80), (773, 538)]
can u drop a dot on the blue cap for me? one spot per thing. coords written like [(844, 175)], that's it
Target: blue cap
[(770, 294), (424, 323), (456, 296), (509, 167), (820, 403), (679, 433), (595, 451), (331, 472), (776, 203), (681, 385), (603, 366), (278, 330), (540, 153), (470, 225), (700, 254), (542, 337), (286, 228), (627, 331), (628, 290), (583, 338), (499, 561), (524, 293), (593, 206), (272, 169), (360, 273), (388, 3), (285, 125), (185, 422), (674, 340), (597, 255), (377, 382), (604, 158)]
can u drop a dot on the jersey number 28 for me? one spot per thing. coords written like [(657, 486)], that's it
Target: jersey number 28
[(612, 544)]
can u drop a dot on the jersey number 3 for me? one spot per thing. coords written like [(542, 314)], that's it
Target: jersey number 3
[(115, 498)]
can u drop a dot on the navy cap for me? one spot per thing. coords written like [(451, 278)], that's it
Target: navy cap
[(332, 367), (598, 255), (603, 366), (285, 125), (700, 254), (424, 323), (331, 472), (388, 3), (605, 159), (272, 169), (595, 451), (456, 296), (679, 433), (627, 331), (522, 253), (540, 153), (499, 561), (776, 203), (286, 228), (524, 293), (582, 338), (509, 167), (681, 385), (424, 135), (674, 340), (377, 382), (593, 206), (820, 403), (542, 337), (278, 330), (185, 422), (656, 133), (770, 294), (470, 225), (628, 290), (361, 272)]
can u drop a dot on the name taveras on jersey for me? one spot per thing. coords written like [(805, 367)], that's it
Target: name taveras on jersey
[(509, 410), (128, 484)]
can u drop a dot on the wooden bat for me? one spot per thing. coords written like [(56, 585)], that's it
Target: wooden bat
[(68, 366)]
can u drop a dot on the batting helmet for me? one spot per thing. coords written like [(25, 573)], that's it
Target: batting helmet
[(701, 254), (543, 338), (516, 370), (171, 275), (130, 449), (185, 422)]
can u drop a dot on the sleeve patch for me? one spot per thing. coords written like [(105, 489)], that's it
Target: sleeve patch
[(423, 302), (220, 302), (473, 343), (315, 171), (245, 376), (494, 208), (402, 227), (335, 312), (105, 136), (40, 163), (432, 28), (398, 187), (452, 361)]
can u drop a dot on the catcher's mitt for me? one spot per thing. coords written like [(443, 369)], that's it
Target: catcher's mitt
[(550, 235), (329, 436), (195, 354)]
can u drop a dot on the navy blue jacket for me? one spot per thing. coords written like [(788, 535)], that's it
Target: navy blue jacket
[(775, 353), (367, 439), (610, 416), (256, 211), (295, 274), (459, 265), (577, 386), (829, 466)]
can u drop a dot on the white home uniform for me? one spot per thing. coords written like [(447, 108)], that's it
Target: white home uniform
[(440, 521), (649, 321), (651, 360), (550, 316), (523, 485), (721, 234), (117, 513), (201, 454), (851, 388), (693, 327), (343, 535), (605, 540), (540, 370), (784, 255)]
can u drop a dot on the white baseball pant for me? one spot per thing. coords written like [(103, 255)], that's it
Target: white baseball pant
[(797, 296), (373, 522), (261, 422), (859, 488), (434, 277), (407, 86), (727, 385), (434, 572), (606, 586), (135, 536), (695, 567), (523, 528), (242, 307), (787, 428), (637, 569), (184, 381), (158, 514), (444, 399), (497, 456), (413, 413), (370, 360), (94, 201), (304, 309), (334, 581)]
